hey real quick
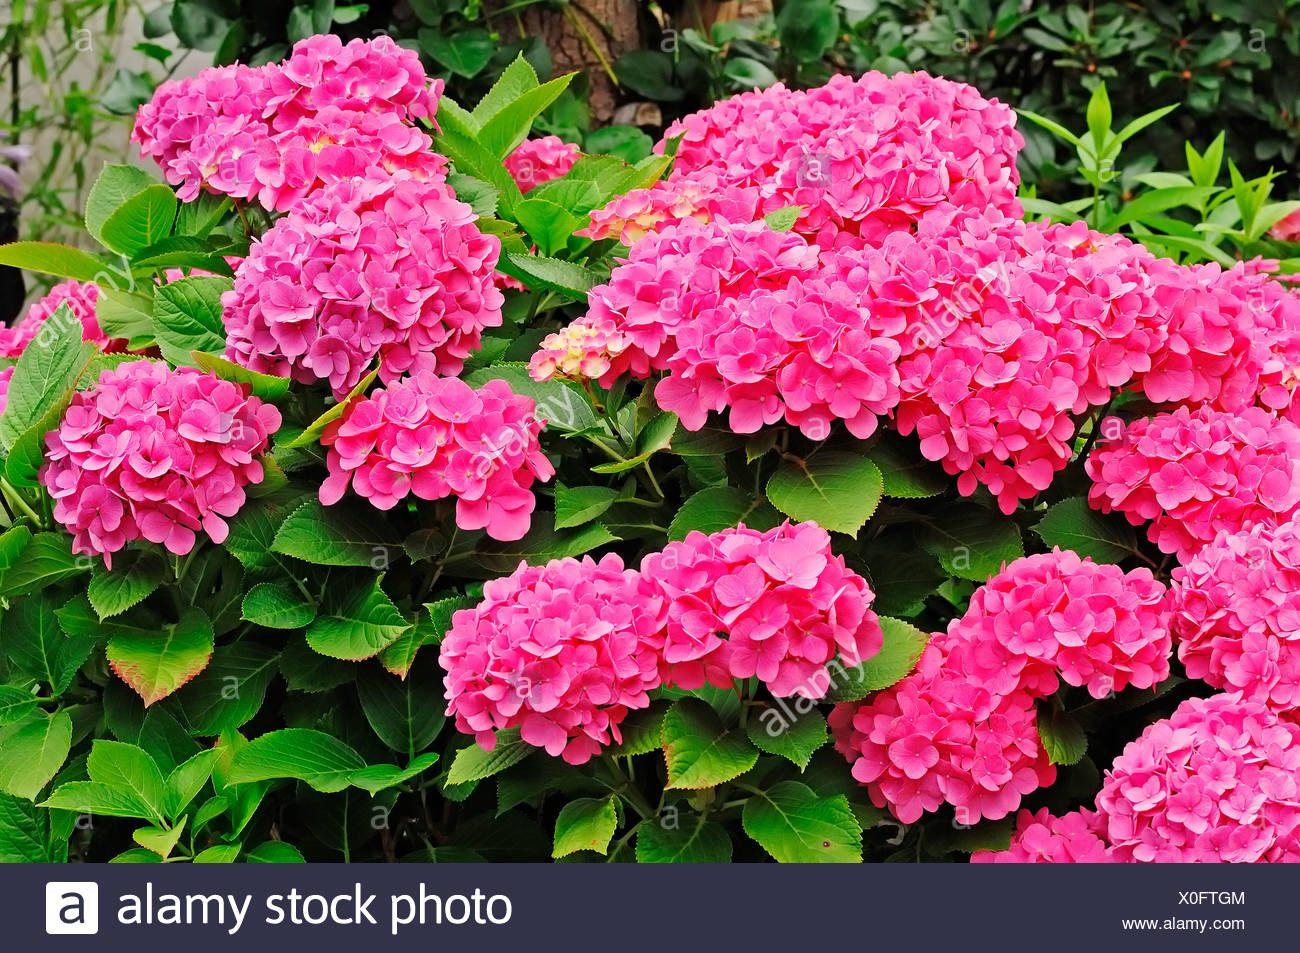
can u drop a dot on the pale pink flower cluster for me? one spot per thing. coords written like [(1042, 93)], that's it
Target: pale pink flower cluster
[(435, 437), (962, 728), (564, 650), (582, 351), (157, 454), (1041, 838), (775, 604), (537, 161), (1236, 614), (1218, 781), (79, 296), (388, 267), (863, 157), (279, 131), (559, 651), (1192, 474), (702, 195)]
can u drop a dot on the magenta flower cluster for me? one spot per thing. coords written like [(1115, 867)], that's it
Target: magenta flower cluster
[(1236, 614), (1041, 838), (559, 651), (564, 651), (1194, 473), (152, 453), (278, 132), (786, 605), (1218, 781), (862, 157), (535, 162), (962, 728), (386, 267), (435, 437)]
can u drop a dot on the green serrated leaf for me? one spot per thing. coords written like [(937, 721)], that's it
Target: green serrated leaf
[(313, 757), (134, 576), (585, 823), (838, 491), (780, 728), (795, 825), (1073, 524), (475, 764), (699, 750), (156, 664), (902, 648)]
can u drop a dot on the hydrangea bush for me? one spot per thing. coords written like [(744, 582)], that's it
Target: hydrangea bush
[(393, 485)]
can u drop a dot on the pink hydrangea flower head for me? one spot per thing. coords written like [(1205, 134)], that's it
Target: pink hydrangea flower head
[(863, 157), (1236, 614), (156, 454), (558, 651), (79, 296), (1055, 614), (1040, 838), (1193, 473), (585, 350), (941, 735), (388, 267), (374, 75), (280, 131), (702, 195), (435, 437), (1216, 782), (775, 604), (537, 161)]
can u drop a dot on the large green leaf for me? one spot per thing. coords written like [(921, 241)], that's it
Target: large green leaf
[(715, 508), (187, 317), (792, 734), (32, 751), (277, 606), (318, 759), (699, 750), (905, 475), (35, 644), (1073, 524), (793, 824), (379, 777), (585, 823), (113, 186), (505, 130), (61, 261), (475, 764), (971, 542), (1062, 736), (15, 704), (30, 834), (837, 490), (356, 623), (698, 842), (230, 691), (45, 374), (464, 52), (551, 274), (404, 713), (135, 574), (345, 534), (902, 648), (143, 220), (130, 769), (156, 664), (581, 504), (515, 80)]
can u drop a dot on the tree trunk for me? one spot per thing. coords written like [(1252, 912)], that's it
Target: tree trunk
[(580, 35)]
